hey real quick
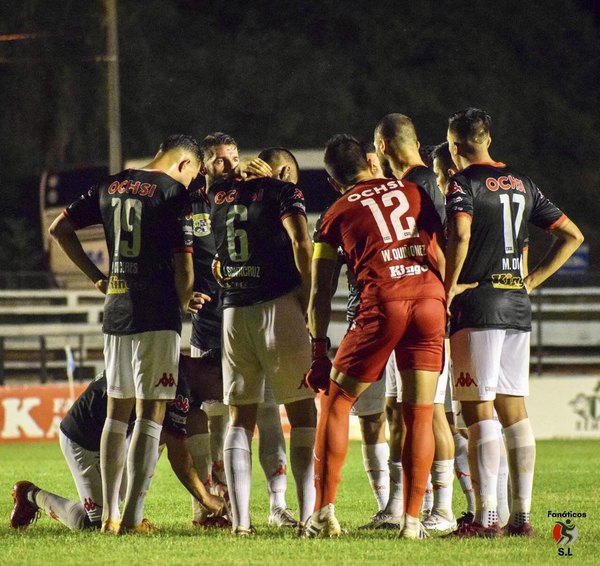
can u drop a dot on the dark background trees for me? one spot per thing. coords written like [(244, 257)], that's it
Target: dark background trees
[(275, 72)]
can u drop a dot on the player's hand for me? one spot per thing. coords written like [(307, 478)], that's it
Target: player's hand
[(455, 290), (216, 505), (317, 377), (250, 168), (102, 285), (197, 302)]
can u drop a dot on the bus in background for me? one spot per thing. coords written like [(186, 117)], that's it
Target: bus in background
[(60, 187)]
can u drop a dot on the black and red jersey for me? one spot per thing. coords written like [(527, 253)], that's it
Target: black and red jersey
[(257, 261), (142, 214), (500, 204), (425, 178), (387, 230), (206, 324)]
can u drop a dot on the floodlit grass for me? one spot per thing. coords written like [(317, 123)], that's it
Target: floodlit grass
[(567, 479)]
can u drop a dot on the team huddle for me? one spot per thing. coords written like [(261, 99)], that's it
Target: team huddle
[(439, 323)]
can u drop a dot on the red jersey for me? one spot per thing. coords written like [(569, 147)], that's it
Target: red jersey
[(388, 230)]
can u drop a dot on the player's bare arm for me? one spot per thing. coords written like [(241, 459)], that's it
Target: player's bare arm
[(568, 239), (63, 231), (184, 279), (459, 236), (319, 307), (181, 463), (297, 229)]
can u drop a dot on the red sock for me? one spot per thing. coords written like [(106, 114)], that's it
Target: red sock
[(417, 455), (331, 443)]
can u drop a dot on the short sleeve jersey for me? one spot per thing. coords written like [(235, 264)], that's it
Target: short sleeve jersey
[(257, 261), (425, 178), (206, 324), (387, 230), (500, 203), (141, 212)]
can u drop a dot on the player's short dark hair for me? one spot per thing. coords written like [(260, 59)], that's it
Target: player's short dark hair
[(368, 146), (345, 158), (182, 141), (442, 152), (215, 139), (470, 125), (397, 128), (273, 155)]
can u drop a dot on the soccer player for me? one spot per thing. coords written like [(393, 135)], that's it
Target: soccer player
[(489, 207), (264, 249), (80, 433), (397, 145), (221, 161), (389, 232), (148, 288)]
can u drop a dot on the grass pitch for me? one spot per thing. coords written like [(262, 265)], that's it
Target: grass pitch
[(567, 479)]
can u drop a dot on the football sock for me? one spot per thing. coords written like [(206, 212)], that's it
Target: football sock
[(112, 462), (375, 458), (427, 504), (395, 504), (502, 489), (68, 512), (302, 444), (141, 463), (238, 468), (411, 524), (520, 443), (217, 425), (199, 447), (331, 443), (271, 453), (462, 470), (442, 478), (484, 457), (417, 454)]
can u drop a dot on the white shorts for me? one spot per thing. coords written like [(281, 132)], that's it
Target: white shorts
[(371, 402), (268, 343), (489, 361), (393, 380), (142, 365), (85, 469)]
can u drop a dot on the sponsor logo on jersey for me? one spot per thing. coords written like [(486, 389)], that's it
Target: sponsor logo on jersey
[(117, 286), (229, 196), (132, 188), (399, 271), (166, 381), (505, 182), (465, 380), (201, 225), (506, 281), (372, 191)]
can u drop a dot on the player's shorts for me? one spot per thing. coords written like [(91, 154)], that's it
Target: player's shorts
[(371, 402), (414, 329), (209, 386), (267, 342), (393, 380), (489, 361), (85, 469), (144, 365)]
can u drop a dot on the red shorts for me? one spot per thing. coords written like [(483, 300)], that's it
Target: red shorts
[(413, 328)]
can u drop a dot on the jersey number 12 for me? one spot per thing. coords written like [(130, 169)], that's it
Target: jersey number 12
[(401, 232)]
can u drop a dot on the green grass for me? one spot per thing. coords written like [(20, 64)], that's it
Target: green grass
[(567, 478)]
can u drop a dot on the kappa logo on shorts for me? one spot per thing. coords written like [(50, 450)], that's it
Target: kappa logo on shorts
[(166, 380), (465, 380), (181, 403)]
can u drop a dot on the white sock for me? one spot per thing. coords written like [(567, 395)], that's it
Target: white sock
[(68, 512), (302, 443), (462, 470), (112, 462), (141, 463), (217, 425), (502, 489), (199, 447), (375, 461), (484, 457), (238, 468), (427, 505), (271, 453), (442, 478), (395, 504), (520, 443)]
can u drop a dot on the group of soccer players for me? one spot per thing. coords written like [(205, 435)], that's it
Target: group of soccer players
[(427, 251)]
